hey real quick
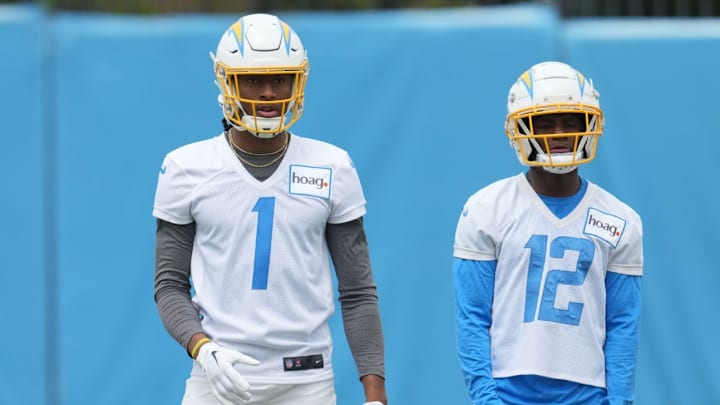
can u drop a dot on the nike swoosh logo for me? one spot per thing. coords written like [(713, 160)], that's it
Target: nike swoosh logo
[(162, 170)]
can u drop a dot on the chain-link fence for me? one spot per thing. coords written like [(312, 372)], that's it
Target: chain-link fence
[(567, 8)]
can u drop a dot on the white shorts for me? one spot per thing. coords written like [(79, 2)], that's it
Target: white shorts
[(199, 392)]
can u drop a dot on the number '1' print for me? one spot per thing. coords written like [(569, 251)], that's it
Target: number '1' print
[(547, 311), (265, 207)]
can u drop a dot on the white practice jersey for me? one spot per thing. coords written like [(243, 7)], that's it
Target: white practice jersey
[(260, 263), (550, 275)]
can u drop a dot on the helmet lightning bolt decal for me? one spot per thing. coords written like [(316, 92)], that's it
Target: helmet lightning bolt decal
[(581, 82), (236, 30), (286, 31), (528, 82)]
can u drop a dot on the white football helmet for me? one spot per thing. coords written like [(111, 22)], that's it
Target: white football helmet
[(260, 44), (552, 88)]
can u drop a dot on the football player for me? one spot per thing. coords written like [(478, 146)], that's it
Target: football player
[(548, 265), (250, 219)]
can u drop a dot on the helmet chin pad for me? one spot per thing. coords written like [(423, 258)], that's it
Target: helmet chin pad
[(559, 169), (262, 127), (562, 160)]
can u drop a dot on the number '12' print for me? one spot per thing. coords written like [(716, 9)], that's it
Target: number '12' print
[(538, 249)]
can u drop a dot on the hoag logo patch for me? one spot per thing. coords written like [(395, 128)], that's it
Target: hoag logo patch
[(309, 180), (605, 226)]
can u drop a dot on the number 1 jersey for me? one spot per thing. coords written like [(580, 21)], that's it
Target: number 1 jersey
[(260, 264)]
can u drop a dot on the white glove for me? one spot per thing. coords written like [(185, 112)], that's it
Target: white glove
[(217, 364)]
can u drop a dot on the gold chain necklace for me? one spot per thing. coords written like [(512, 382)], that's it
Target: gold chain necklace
[(281, 152), (282, 148)]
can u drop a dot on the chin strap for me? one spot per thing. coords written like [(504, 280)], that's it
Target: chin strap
[(226, 125)]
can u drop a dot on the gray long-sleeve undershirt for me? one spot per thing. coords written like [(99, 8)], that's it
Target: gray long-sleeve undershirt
[(358, 298)]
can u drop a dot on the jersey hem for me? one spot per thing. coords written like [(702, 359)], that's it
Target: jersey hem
[(558, 376), (317, 377)]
